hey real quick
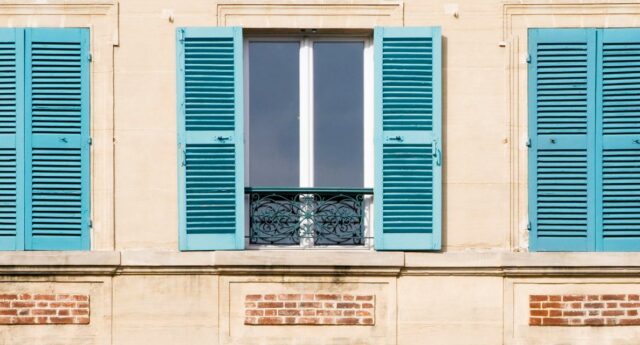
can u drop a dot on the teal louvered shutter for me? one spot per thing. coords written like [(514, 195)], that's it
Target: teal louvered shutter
[(210, 140), (408, 160), (11, 104), (562, 133), (57, 139), (619, 140)]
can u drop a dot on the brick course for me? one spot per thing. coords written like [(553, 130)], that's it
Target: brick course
[(37, 309), (584, 310), (309, 309)]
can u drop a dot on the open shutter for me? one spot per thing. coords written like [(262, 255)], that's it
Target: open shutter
[(11, 104), (57, 139), (407, 138), (619, 140), (562, 134), (210, 140)]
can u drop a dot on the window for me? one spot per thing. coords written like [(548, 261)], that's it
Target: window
[(305, 131), (44, 138), (584, 127), (308, 142)]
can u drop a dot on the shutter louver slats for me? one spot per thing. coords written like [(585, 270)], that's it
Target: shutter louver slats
[(408, 188), (408, 162), (210, 189), (562, 95), (11, 100), (210, 116), (620, 145), (57, 116), (407, 89)]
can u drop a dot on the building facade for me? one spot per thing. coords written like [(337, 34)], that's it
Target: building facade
[(319, 172)]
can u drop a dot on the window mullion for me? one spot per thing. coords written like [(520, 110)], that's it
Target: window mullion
[(306, 130)]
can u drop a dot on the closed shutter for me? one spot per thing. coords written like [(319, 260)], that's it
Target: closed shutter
[(407, 138), (562, 133), (619, 147), (11, 104), (57, 139), (210, 140)]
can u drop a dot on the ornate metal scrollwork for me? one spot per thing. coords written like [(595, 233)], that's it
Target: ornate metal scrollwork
[(325, 217)]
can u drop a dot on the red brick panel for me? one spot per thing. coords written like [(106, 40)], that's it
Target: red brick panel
[(309, 309), (37, 309), (584, 310)]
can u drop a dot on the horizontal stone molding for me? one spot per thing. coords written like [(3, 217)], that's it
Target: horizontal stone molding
[(329, 309), (44, 309), (584, 310), (360, 14), (321, 262)]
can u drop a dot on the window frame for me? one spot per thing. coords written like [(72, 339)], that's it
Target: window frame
[(306, 125)]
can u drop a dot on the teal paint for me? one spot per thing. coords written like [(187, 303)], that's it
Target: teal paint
[(561, 126), (12, 225), (593, 162), (210, 138), (618, 140), (408, 146), (57, 167), (50, 136)]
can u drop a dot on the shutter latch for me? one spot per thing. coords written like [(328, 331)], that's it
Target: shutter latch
[(436, 152)]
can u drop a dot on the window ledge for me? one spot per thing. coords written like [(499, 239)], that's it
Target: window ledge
[(54, 262)]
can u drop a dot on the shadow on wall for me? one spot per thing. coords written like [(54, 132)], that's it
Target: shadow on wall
[(444, 144)]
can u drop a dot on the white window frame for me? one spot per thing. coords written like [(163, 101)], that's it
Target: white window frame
[(306, 122)]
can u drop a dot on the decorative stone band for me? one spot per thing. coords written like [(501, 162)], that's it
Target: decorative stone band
[(584, 310), (310, 309), (43, 309)]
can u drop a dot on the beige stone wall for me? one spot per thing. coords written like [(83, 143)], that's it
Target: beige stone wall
[(134, 169), (476, 121), (484, 90), (476, 292), (199, 298)]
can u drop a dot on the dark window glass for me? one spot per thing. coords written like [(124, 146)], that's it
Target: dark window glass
[(273, 114), (338, 114)]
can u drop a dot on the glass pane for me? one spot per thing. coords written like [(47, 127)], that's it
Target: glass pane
[(273, 114), (338, 114)]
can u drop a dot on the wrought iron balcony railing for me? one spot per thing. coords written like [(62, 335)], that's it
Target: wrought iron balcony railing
[(318, 216)]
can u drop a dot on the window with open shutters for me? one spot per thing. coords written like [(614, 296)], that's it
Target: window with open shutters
[(299, 130), (584, 125), (44, 138)]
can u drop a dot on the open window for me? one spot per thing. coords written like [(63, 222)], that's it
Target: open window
[(308, 140), (329, 121)]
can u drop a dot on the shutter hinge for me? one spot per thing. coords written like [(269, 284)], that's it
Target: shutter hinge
[(529, 226), (528, 58), (528, 143), (89, 57), (90, 223), (90, 141), (181, 35)]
